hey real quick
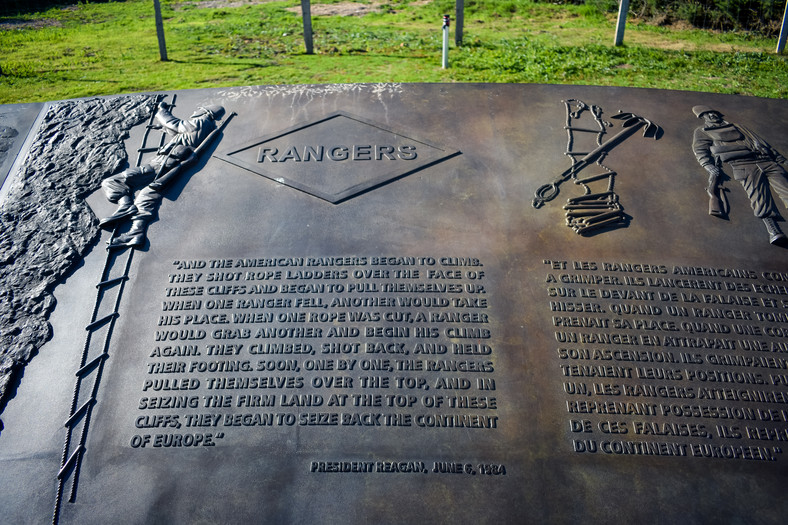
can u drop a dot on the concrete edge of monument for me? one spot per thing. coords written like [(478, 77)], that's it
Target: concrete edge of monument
[(16, 123)]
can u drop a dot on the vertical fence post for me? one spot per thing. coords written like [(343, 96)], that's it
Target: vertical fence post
[(306, 14), (458, 20), (623, 8), (445, 58), (783, 31), (160, 31)]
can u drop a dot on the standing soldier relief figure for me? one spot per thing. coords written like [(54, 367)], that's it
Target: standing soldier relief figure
[(151, 178), (759, 168)]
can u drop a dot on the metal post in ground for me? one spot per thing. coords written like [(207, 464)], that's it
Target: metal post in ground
[(623, 9), (160, 31), (306, 13), (445, 61), (783, 31), (458, 21)]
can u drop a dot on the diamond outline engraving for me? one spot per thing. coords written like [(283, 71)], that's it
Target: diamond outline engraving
[(376, 176)]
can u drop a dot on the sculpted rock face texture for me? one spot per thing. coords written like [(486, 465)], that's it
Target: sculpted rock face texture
[(45, 225), (398, 303)]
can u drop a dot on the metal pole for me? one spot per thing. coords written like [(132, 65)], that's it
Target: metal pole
[(445, 61), (623, 8), (306, 14), (783, 31), (459, 17), (160, 31)]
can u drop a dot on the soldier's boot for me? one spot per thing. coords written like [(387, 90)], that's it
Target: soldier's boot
[(125, 209), (133, 238), (776, 236)]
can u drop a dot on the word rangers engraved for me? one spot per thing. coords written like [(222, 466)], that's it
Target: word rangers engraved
[(337, 153), (336, 157)]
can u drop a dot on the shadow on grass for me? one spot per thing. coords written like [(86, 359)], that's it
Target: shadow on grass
[(214, 62)]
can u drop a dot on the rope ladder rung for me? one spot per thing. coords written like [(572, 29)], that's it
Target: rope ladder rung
[(78, 412), (95, 324), (70, 463), (110, 282), (89, 366)]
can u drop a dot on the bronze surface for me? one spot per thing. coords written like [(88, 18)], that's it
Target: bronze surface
[(631, 372)]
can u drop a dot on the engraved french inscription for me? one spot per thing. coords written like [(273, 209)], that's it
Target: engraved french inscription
[(671, 360)]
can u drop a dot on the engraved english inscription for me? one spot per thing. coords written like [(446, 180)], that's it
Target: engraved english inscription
[(358, 341)]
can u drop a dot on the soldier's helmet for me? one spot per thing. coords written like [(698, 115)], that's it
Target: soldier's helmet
[(701, 110), (213, 111)]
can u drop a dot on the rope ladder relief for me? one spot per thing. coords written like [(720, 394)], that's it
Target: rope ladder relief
[(591, 211), (95, 352), (598, 208)]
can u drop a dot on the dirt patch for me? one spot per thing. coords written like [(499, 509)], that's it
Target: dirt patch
[(20, 23), (658, 42), (680, 25), (317, 9), (340, 9), (215, 4), (678, 43), (17, 23)]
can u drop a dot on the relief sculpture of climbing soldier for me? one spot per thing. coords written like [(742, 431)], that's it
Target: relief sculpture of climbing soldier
[(759, 168), (187, 139), (148, 180)]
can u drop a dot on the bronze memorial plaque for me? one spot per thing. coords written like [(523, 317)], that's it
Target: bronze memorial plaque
[(394, 303)]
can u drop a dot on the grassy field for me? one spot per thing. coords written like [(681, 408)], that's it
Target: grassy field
[(97, 49)]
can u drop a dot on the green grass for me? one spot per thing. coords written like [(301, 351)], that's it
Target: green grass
[(108, 48)]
